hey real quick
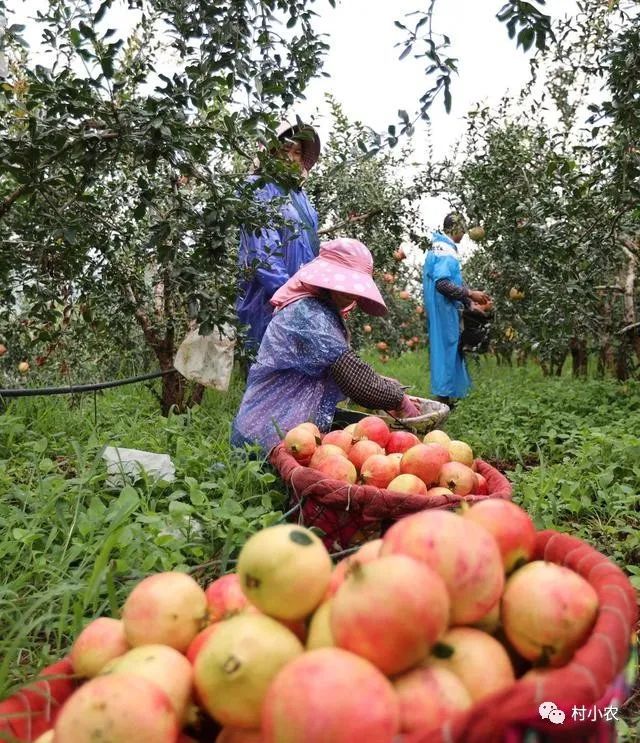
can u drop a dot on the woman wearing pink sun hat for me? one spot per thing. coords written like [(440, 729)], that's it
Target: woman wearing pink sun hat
[(305, 365)]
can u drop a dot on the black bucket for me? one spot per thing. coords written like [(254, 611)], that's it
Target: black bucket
[(476, 331)]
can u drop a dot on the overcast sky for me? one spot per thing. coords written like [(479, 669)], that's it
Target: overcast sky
[(372, 84)]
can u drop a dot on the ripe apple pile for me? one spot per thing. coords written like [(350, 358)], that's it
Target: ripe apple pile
[(370, 453), (410, 630)]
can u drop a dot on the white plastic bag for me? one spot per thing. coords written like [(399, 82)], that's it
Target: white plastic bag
[(207, 359), (127, 465)]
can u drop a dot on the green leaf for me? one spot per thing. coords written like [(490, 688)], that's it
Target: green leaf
[(101, 11), (86, 30), (107, 66), (140, 211), (526, 38), (447, 99)]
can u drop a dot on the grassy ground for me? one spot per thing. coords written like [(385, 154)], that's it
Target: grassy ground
[(70, 547)]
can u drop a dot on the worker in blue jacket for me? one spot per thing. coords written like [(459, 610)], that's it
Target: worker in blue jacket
[(444, 296), (269, 257)]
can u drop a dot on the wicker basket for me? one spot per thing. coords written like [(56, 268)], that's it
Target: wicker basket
[(432, 415), (349, 514)]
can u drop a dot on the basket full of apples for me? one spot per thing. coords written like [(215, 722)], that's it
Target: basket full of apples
[(465, 626), (351, 483)]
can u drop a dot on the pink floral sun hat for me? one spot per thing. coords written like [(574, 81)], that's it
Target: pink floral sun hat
[(343, 265)]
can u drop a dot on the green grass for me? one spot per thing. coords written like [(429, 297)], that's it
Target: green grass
[(571, 447), (71, 549)]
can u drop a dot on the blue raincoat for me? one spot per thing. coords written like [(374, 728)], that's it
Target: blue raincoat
[(268, 259), (449, 376), (290, 382)]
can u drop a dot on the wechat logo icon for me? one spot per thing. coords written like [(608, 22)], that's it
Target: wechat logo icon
[(549, 711)]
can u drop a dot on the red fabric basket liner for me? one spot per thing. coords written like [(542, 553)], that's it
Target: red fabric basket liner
[(342, 510), (32, 711), (585, 681)]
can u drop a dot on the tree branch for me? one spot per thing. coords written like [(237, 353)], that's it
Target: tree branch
[(10, 200), (628, 328), (142, 319), (349, 220), (629, 247)]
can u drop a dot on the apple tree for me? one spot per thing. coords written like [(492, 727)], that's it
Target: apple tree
[(555, 195), (364, 197), (125, 142)]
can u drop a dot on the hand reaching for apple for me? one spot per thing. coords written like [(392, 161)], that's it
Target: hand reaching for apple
[(480, 297), (475, 307)]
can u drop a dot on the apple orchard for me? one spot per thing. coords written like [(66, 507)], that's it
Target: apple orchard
[(121, 200)]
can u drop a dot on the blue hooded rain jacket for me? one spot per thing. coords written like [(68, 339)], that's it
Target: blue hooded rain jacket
[(449, 376), (269, 258)]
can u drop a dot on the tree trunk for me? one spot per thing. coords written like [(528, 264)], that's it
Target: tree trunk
[(622, 363), (557, 363), (630, 341), (606, 356), (504, 358), (197, 393), (578, 348), (173, 384)]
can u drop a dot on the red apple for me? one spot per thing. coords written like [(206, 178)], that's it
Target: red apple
[(362, 450), (373, 428), (338, 468), (459, 478), (377, 471), (339, 438), (400, 441), (408, 484), (425, 461), (511, 526)]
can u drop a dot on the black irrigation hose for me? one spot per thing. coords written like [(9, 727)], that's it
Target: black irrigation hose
[(74, 389)]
